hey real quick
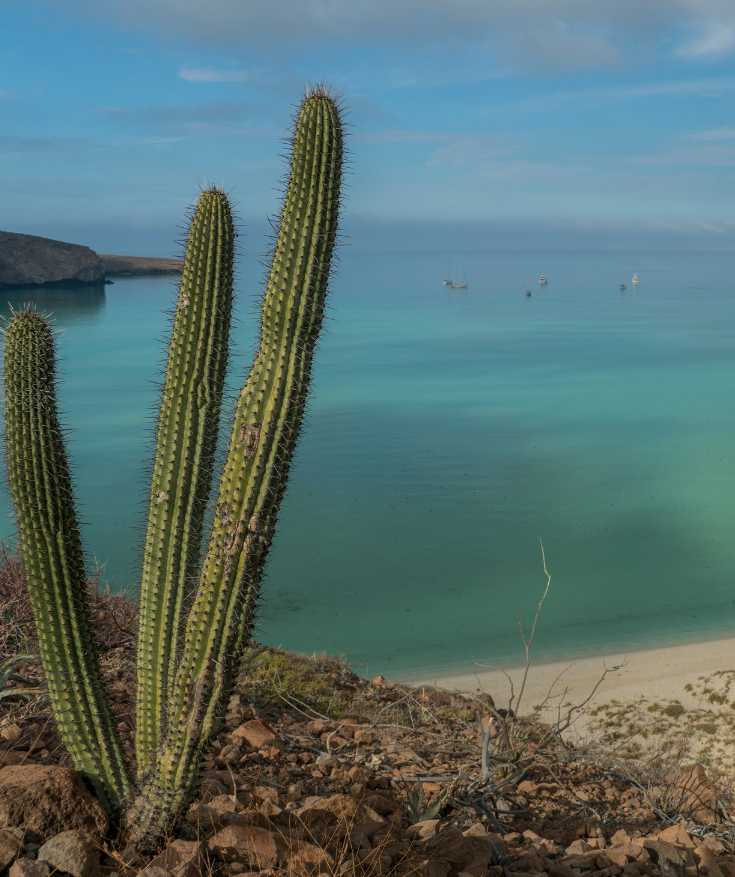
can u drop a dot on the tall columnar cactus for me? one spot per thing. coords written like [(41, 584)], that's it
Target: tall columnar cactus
[(182, 687), (51, 549), (182, 471), (266, 425)]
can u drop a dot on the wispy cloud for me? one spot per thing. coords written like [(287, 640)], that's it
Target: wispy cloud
[(716, 38), (10, 144), (173, 121), (714, 135), (522, 33), (213, 74)]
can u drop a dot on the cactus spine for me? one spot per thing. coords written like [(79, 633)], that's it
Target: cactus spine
[(266, 425), (51, 551), (182, 469), (181, 687)]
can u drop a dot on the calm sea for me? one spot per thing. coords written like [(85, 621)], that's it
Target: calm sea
[(447, 433)]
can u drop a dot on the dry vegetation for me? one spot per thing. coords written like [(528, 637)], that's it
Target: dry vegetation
[(318, 771)]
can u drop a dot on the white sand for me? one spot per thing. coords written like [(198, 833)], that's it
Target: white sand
[(657, 674)]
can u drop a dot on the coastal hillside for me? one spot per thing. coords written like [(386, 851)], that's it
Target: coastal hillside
[(30, 260), (138, 266), (317, 771)]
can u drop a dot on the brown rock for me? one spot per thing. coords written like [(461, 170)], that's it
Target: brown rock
[(667, 855), (471, 854), (706, 858), (47, 799), (620, 838), (11, 733), (266, 793), (29, 868), (578, 847), (73, 852), (308, 858), (11, 843), (338, 816), (181, 858), (423, 830), (255, 733), (613, 856), (678, 835), (698, 794), (257, 847)]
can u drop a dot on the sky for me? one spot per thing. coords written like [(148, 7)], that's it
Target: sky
[(597, 118)]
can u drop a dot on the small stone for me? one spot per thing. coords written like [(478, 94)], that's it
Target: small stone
[(181, 858), (11, 733), (309, 859), (29, 868), (613, 856), (72, 852), (677, 834), (11, 843), (255, 733), (266, 793), (257, 847), (325, 761), (423, 830), (578, 847)]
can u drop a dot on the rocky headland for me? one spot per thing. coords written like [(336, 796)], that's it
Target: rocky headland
[(29, 260)]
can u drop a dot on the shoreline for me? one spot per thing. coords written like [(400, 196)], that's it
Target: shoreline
[(658, 674)]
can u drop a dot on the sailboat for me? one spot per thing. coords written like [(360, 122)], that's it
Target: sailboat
[(455, 284), (635, 280)]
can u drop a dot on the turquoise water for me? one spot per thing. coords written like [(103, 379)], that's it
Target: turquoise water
[(447, 433)]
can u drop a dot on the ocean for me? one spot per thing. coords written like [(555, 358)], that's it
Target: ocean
[(447, 434)]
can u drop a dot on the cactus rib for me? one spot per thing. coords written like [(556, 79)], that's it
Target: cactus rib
[(184, 457), (266, 425), (51, 550)]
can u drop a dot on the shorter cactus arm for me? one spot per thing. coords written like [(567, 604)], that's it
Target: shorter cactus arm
[(51, 552)]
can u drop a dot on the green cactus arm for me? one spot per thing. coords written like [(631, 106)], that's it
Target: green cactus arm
[(51, 551), (266, 425), (186, 438)]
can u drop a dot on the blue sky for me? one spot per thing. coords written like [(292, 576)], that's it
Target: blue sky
[(590, 115)]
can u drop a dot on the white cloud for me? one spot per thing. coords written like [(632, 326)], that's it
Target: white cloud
[(212, 74), (518, 33), (716, 38)]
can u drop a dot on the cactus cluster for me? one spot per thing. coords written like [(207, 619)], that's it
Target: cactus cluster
[(189, 648)]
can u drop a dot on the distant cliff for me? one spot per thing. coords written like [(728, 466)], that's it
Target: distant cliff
[(28, 260)]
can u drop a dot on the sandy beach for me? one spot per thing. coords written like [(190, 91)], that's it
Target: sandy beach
[(639, 689)]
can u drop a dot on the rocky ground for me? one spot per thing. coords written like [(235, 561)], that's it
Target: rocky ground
[(318, 771)]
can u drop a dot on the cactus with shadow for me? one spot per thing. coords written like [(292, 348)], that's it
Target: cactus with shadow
[(189, 647)]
